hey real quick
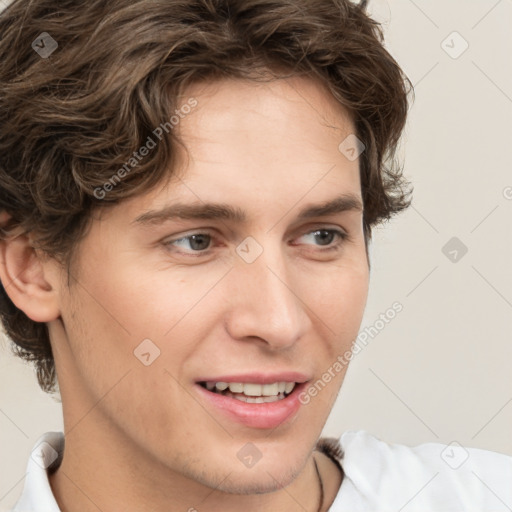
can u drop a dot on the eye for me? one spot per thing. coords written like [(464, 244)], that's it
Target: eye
[(325, 237), (195, 243), (199, 244)]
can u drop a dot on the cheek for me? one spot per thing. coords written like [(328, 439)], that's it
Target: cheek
[(158, 318), (135, 303), (338, 307), (337, 298), (105, 325)]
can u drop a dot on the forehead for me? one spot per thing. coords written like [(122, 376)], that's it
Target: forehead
[(278, 114), (262, 144)]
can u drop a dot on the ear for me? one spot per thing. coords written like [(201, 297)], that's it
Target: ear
[(30, 281)]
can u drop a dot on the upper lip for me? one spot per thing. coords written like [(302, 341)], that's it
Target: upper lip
[(259, 378)]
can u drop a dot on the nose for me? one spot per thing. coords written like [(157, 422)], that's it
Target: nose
[(265, 301)]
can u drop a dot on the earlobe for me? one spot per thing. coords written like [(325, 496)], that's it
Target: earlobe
[(24, 276)]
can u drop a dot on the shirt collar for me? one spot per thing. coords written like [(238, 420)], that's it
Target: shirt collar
[(46, 456)]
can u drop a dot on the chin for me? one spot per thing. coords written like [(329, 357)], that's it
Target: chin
[(262, 482), (271, 473)]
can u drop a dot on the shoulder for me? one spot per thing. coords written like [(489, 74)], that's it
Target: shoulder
[(432, 476)]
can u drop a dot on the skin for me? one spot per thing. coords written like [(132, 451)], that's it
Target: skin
[(138, 437)]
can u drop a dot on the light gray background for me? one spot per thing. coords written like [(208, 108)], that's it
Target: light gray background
[(440, 371)]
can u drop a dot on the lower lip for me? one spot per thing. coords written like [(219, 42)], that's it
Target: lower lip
[(266, 415)]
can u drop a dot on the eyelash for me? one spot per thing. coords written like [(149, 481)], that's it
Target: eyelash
[(342, 237)]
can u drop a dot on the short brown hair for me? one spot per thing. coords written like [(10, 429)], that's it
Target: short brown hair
[(70, 119)]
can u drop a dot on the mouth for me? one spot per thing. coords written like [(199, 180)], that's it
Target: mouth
[(251, 393), (262, 405)]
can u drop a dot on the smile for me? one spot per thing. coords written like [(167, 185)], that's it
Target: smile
[(261, 405), (252, 393)]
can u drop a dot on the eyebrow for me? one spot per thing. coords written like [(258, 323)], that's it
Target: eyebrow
[(226, 212)]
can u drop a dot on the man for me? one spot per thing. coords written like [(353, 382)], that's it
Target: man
[(188, 192)]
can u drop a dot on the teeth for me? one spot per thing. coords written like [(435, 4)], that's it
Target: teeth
[(289, 387), (236, 387), (257, 400), (250, 389), (270, 389)]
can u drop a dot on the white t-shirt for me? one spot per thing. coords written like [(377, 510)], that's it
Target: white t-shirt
[(378, 477)]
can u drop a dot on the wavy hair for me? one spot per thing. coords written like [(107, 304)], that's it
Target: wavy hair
[(70, 119)]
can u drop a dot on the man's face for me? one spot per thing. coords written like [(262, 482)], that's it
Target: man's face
[(274, 298)]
